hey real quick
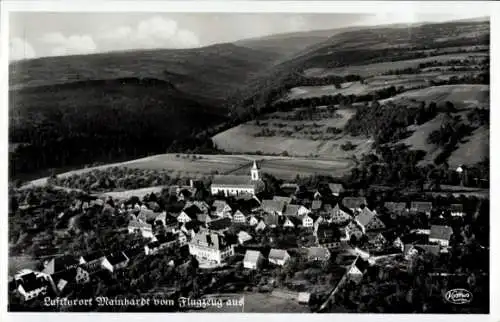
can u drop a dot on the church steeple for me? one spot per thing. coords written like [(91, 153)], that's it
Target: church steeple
[(255, 172)]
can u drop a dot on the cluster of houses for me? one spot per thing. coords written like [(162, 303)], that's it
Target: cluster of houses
[(204, 229)]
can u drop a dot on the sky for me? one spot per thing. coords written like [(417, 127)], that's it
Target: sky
[(41, 34)]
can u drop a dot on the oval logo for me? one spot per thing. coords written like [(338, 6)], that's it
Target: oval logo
[(458, 296)]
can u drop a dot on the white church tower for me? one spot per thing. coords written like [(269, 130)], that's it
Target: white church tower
[(255, 172)]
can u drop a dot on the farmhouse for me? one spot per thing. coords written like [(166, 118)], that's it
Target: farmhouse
[(328, 236), (210, 246), (58, 264), (278, 256), (273, 207), (232, 185), (295, 210), (441, 235), (221, 207), (367, 220), (32, 284), (337, 215), (239, 217), (457, 210), (146, 230), (253, 259), (115, 261)]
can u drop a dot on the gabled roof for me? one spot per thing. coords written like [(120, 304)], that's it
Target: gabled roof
[(219, 205), (219, 224), (361, 264), (354, 202), (279, 254), (116, 258), (68, 275), (318, 252), (252, 256), (365, 216), (272, 205), (270, 219), (32, 282), (291, 210), (93, 256), (147, 215), (316, 204), (286, 200), (210, 239), (395, 206), (61, 263), (135, 224), (327, 233), (441, 232), (238, 213), (421, 206)]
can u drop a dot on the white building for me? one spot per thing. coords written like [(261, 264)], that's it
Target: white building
[(233, 185), (211, 247), (253, 259)]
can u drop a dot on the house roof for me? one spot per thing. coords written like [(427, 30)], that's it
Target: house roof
[(395, 206), (272, 205), (67, 275), (219, 205), (365, 216), (270, 219), (286, 200), (294, 220), (252, 256), (316, 204), (116, 258), (233, 181), (219, 224), (421, 206), (61, 263), (336, 187), (441, 232), (139, 225), (361, 264), (210, 239), (457, 207), (147, 215), (291, 210), (354, 202), (93, 256), (327, 233), (192, 210), (203, 217), (279, 254), (317, 252), (244, 236), (238, 213)]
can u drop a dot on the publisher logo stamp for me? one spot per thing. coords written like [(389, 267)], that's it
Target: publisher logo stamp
[(458, 296)]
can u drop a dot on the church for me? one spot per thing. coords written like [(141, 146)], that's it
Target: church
[(232, 185)]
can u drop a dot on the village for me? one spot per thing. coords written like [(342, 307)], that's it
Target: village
[(326, 227)]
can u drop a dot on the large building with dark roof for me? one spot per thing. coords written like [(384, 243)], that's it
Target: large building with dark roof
[(233, 185)]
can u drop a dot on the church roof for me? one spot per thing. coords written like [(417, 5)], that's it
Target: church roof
[(233, 181)]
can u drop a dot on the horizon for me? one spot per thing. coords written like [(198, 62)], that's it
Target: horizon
[(159, 31)]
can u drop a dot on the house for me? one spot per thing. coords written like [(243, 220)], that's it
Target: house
[(367, 220), (336, 188), (421, 207), (210, 246), (147, 215), (202, 206), (354, 203), (292, 222), (260, 226), (219, 225), (190, 212), (273, 207), (397, 208), (243, 237), (58, 264), (292, 210), (221, 207), (357, 270), (318, 254), (203, 218), (353, 229), (92, 259), (271, 220), (411, 251), (441, 235), (253, 259), (239, 217), (114, 262), (146, 230), (32, 284), (457, 210), (304, 297), (307, 221), (234, 185), (316, 205), (161, 242), (337, 215), (328, 236), (161, 219), (386, 239), (278, 256), (62, 279), (252, 220), (285, 200)]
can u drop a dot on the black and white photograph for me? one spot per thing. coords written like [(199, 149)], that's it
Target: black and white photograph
[(248, 162)]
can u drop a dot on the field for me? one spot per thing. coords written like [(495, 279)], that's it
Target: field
[(476, 147), (462, 96), (378, 68)]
